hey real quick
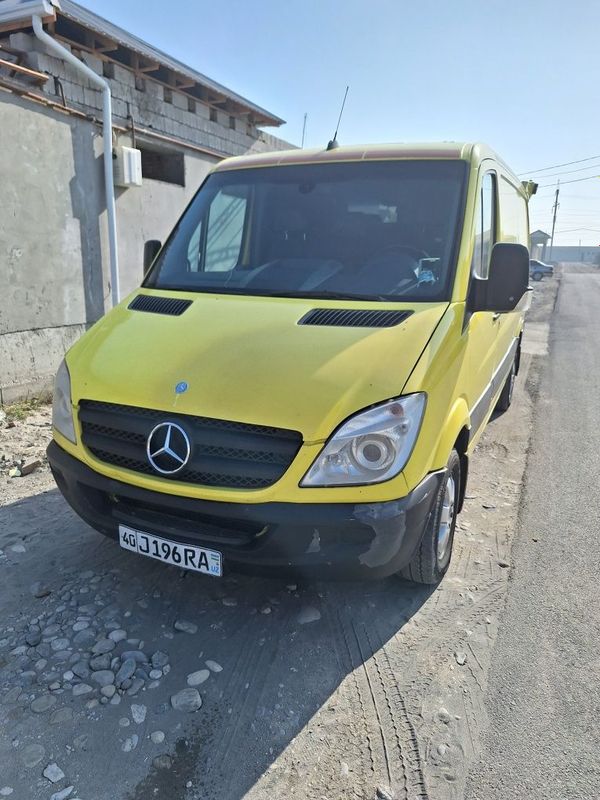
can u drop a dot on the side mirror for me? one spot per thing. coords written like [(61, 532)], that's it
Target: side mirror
[(507, 282), (151, 248)]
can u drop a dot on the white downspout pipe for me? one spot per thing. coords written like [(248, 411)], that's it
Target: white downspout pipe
[(65, 55)]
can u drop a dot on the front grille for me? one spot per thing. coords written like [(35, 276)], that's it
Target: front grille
[(353, 318), (223, 453)]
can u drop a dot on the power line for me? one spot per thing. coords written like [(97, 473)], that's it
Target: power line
[(574, 180), (556, 166), (571, 171)]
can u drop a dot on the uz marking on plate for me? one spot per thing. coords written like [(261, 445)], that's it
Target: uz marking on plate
[(199, 559)]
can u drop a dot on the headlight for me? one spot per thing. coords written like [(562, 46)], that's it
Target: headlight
[(371, 447), (62, 411)]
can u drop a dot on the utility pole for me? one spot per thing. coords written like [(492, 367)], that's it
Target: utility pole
[(304, 129), (554, 210)]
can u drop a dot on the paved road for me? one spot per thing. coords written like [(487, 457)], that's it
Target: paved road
[(544, 691)]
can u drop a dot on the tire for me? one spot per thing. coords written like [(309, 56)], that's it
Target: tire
[(537, 276), (506, 395), (431, 560)]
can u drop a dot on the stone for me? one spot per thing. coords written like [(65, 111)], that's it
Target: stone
[(62, 655), (81, 689), (308, 614), (12, 696), (155, 674), (32, 755), (187, 700), (30, 465), (214, 666), (84, 638), (266, 609), (81, 625), (159, 659), (54, 773), (138, 712), (229, 601), (6, 791), (61, 715), (100, 662), (81, 669), (126, 670), (43, 703), (17, 548), (461, 658), (124, 722), (157, 737), (33, 638), (103, 677), (117, 635), (68, 675), (103, 646), (444, 716), (383, 793), (39, 589), (130, 743), (60, 644), (63, 794), (198, 677), (108, 690), (136, 655), (185, 627), (135, 687), (163, 761)]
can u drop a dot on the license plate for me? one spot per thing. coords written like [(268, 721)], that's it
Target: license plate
[(186, 556)]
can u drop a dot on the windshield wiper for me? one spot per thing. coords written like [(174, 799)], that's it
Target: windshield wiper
[(326, 295)]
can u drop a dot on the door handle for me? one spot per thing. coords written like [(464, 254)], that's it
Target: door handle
[(496, 317)]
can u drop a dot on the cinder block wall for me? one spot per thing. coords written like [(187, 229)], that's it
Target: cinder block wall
[(54, 270)]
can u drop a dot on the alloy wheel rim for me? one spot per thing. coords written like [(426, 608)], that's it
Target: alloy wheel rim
[(446, 519)]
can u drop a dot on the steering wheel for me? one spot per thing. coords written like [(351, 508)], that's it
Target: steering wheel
[(415, 252)]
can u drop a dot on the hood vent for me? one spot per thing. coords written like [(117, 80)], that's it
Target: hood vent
[(353, 318), (170, 306)]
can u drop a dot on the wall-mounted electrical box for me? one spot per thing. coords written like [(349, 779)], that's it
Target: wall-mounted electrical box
[(127, 166)]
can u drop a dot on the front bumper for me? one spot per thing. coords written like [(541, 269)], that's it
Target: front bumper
[(307, 539)]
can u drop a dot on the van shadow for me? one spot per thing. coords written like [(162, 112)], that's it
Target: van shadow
[(279, 673)]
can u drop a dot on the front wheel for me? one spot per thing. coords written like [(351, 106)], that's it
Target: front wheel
[(537, 276), (432, 558)]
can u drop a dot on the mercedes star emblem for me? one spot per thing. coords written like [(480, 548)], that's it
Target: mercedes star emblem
[(168, 448)]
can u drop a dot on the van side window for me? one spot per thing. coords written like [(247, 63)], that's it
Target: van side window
[(514, 223), (485, 228), (225, 230)]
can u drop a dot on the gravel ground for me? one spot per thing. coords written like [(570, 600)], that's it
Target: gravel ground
[(123, 678)]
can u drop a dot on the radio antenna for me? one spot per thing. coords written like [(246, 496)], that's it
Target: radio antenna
[(333, 143)]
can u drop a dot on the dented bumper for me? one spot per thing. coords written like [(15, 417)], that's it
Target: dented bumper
[(343, 540)]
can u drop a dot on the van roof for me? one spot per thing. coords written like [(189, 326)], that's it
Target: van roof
[(473, 152)]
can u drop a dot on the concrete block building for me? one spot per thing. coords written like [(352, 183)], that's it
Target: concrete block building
[(54, 245)]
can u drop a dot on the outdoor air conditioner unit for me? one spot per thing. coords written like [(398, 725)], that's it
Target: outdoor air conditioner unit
[(127, 166)]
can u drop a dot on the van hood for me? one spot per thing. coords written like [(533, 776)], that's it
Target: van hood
[(247, 359)]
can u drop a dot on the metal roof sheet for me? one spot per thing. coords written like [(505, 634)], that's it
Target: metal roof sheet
[(82, 16)]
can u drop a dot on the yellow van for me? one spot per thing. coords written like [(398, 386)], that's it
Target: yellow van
[(302, 378)]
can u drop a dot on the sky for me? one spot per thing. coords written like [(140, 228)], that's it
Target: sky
[(521, 75)]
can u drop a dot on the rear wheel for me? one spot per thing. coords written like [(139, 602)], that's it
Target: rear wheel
[(432, 558), (537, 276), (506, 396)]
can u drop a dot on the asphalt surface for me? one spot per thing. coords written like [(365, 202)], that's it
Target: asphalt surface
[(543, 699)]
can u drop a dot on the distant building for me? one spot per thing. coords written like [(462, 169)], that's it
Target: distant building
[(538, 242), (54, 262)]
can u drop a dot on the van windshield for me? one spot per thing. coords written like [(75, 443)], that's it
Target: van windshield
[(384, 230)]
